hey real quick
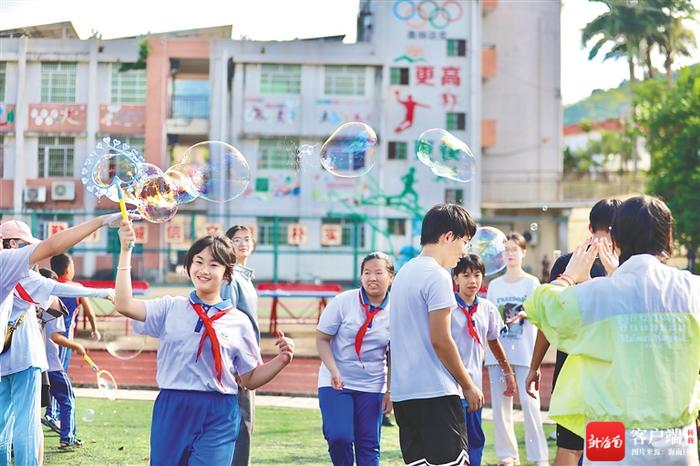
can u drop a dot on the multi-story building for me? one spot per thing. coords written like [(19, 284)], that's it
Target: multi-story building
[(487, 74)]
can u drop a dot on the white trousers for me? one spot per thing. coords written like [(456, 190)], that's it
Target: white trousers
[(505, 443)]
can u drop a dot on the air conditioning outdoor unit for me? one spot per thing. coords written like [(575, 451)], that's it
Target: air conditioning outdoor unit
[(62, 191), (34, 194)]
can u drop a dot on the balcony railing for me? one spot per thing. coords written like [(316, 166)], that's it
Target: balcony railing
[(190, 106), (601, 185)]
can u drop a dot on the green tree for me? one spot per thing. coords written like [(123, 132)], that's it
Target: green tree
[(670, 121)]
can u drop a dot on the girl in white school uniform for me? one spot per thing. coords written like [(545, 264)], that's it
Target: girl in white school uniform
[(203, 347), (508, 293), (353, 342)]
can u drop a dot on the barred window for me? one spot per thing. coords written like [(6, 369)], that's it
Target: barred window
[(454, 196), (344, 80), (397, 150), (396, 226), (348, 228), (266, 230), (58, 82), (55, 156), (275, 153), (456, 48), (398, 77), (280, 79), (128, 87)]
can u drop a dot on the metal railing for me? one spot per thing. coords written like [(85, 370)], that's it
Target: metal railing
[(190, 106)]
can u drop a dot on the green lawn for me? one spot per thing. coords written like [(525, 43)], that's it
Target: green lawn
[(117, 432)]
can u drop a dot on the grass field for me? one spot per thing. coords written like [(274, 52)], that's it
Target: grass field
[(117, 432)]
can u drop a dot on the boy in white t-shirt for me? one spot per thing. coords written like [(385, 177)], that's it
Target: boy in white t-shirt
[(427, 373), (476, 322)]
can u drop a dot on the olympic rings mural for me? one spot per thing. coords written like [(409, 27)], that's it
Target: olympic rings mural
[(419, 13)]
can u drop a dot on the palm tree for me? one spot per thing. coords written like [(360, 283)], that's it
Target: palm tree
[(676, 40), (623, 27)]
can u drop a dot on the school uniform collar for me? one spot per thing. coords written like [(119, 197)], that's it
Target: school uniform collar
[(461, 302), (221, 305), (372, 307), (243, 270)]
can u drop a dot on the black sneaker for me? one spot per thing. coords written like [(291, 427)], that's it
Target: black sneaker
[(51, 424), (386, 421)]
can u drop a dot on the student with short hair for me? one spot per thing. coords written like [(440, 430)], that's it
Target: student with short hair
[(427, 373), (353, 341), (508, 292), (632, 338), (600, 218), (476, 323), (241, 291), (204, 347)]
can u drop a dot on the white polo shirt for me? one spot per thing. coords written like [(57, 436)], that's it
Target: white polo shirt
[(487, 323), (173, 321), (420, 287), (14, 264), (54, 325), (342, 318)]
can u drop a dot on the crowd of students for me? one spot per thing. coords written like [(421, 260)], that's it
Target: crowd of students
[(414, 342)]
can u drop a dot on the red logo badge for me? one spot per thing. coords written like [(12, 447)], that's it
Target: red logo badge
[(605, 441)]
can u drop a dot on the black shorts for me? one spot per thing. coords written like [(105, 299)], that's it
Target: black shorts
[(432, 431), (567, 439)]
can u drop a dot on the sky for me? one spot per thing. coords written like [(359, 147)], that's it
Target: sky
[(289, 19)]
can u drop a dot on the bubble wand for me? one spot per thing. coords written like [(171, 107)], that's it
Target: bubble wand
[(122, 207), (105, 380)]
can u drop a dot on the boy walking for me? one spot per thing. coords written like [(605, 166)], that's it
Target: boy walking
[(427, 374)]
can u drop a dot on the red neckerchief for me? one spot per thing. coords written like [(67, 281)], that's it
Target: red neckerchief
[(62, 280), (211, 333), (369, 317), (469, 312), (24, 295)]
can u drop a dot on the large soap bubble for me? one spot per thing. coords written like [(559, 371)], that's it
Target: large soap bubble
[(446, 155), (489, 244), (217, 171), (157, 198), (350, 151)]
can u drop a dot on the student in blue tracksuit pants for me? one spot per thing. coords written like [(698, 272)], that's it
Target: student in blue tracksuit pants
[(202, 348), (475, 322), (353, 342)]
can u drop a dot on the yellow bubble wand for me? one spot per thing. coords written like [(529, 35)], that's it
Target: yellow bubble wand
[(105, 380), (122, 207)]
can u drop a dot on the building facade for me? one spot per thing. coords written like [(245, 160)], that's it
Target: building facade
[(486, 73)]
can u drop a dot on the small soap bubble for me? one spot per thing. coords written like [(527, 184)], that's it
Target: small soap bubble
[(489, 244), (446, 155)]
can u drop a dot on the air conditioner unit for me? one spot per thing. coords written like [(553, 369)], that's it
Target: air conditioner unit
[(34, 194), (62, 191)]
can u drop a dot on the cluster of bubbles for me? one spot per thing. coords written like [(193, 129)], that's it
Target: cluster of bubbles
[(489, 244), (210, 170), (446, 155)]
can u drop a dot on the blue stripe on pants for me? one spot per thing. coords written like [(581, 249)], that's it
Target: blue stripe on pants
[(194, 428), (20, 408), (475, 435), (351, 418), (62, 392)]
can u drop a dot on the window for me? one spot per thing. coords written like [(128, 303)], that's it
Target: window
[(398, 77), (266, 230), (190, 98), (55, 156), (344, 80), (275, 153), (128, 87), (43, 220), (454, 196), (396, 226), (280, 79), (456, 121), (3, 66), (348, 230), (58, 82), (456, 48), (397, 151)]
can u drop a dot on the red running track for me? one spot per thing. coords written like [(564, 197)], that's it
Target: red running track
[(297, 379)]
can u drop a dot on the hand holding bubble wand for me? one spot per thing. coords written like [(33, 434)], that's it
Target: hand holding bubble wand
[(105, 380)]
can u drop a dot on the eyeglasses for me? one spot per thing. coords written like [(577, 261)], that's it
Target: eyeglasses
[(239, 241)]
